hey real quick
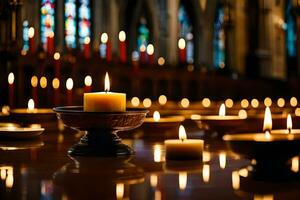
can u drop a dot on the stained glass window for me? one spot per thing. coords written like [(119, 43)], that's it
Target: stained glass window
[(47, 18), (219, 39), (291, 34), (70, 23), (143, 34), (84, 20), (25, 36), (185, 31)]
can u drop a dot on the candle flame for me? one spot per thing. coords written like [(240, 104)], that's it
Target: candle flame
[(156, 116), (153, 180), (182, 180), (56, 56), (182, 133), (120, 190), (150, 49), (88, 81), (222, 110), (142, 48), (30, 104), (181, 43), (106, 83), (104, 38), (295, 164), (55, 83), (289, 123), (222, 160), (31, 32), (235, 180), (69, 84), (206, 173), (122, 36), (267, 135), (267, 120), (11, 78), (43, 82)]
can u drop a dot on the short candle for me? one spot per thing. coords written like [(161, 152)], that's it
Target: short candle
[(183, 148), (104, 101)]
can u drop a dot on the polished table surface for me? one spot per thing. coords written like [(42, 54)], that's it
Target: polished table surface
[(42, 169)]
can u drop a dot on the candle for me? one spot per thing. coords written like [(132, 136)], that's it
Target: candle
[(88, 84), (105, 101), (183, 149), (143, 54), (34, 91), (166, 119), (69, 86), (31, 40), (55, 85), (11, 80), (56, 57), (86, 48), (50, 42), (122, 46), (150, 52), (182, 50)]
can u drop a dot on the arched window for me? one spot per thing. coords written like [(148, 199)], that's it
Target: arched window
[(219, 39), (47, 19), (143, 34), (71, 23), (185, 32), (291, 35)]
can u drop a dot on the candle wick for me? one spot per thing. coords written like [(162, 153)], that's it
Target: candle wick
[(106, 90), (182, 139), (290, 130)]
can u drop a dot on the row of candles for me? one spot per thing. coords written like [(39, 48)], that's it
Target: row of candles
[(146, 53)]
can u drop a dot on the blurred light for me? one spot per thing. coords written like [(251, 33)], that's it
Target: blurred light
[(243, 172), (229, 103), (182, 179), (147, 103), (153, 180), (222, 160), (297, 112), (104, 38), (206, 173), (263, 197), (142, 48), (120, 190), (157, 195), (185, 103), (295, 164), (150, 49), (55, 83), (43, 82), (244, 103), (87, 40), (235, 180), (69, 84), (34, 81), (135, 56), (30, 105), (243, 114), (268, 101), (5, 109), (56, 56), (161, 61), (31, 32), (9, 178), (195, 117), (162, 100), (206, 102), (206, 156), (122, 36), (88, 81), (156, 116), (181, 43), (11, 78), (254, 103), (293, 101), (281, 102), (222, 110), (158, 155), (135, 101)]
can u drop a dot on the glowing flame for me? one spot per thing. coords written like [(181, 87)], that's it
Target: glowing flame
[(88, 81), (267, 120), (120, 190), (43, 82), (30, 105), (150, 49), (182, 133), (158, 156), (235, 180), (142, 48), (122, 36), (156, 116), (205, 156), (11, 78), (222, 160), (182, 179), (181, 43), (106, 83), (69, 84), (104, 38), (34, 81), (153, 180), (162, 99), (295, 164), (31, 32), (135, 101), (56, 56), (206, 173), (10, 178), (222, 110), (55, 83), (289, 123)]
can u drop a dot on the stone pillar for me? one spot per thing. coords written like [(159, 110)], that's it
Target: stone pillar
[(97, 20), (59, 27), (113, 26)]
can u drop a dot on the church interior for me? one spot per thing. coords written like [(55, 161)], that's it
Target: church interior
[(149, 99)]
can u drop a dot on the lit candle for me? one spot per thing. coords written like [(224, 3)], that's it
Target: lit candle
[(11, 80), (34, 90), (86, 48), (69, 86), (55, 85), (143, 54), (56, 57), (31, 40), (182, 180), (150, 52), (31, 106), (50, 42), (157, 119), (88, 84), (182, 50), (105, 101), (122, 46), (183, 148)]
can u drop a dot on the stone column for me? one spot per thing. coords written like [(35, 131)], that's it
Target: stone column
[(59, 26)]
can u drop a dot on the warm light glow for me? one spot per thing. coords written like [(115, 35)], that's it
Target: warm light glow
[(244, 172), (156, 116), (195, 117), (293, 101), (235, 180), (31, 32), (55, 83), (254, 103), (206, 102), (205, 156), (142, 48), (43, 82), (150, 49), (157, 195), (263, 197), (106, 83), (162, 100), (50, 34), (222, 110), (267, 120), (122, 36), (295, 164), (87, 40), (267, 135), (11, 78), (289, 123), (56, 56), (147, 103), (229, 103), (88, 80), (120, 190), (297, 112), (268, 101), (281, 102), (243, 114), (222, 160), (30, 105), (182, 179), (181, 43), (182, 133), (3, 173), (135, 101), (206, 173), (34, 81), (153, 180), (161, 61), (9, 178), (69, 84), (244, 103), (104, 38), (185, 103), (5, 109), (158, 156)]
